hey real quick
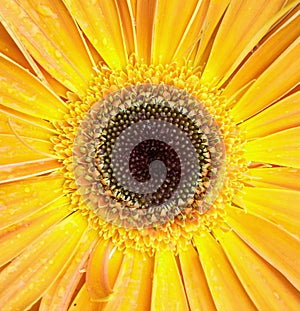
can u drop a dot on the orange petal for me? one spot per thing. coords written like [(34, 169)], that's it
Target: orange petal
[(276, 205), (268, 289), (16, 238), (97, 279), (57, 87), (35, 307), (53, 299), (21, 199), (62, 53), (276, 246), (102, 270), (195, 282), (168, 290), (280, 116), (83, 301), (103, 29), (166, 18), (12, 47), (128, 24), (265, 54), (278, 79), (23, 92), (132, 290), (30, 274), (9, 48), (221, 279), (275, 177), (281, 148), (145, 10), (235, 40)]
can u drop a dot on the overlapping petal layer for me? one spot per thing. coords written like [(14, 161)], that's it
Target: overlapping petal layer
[(276, 205), (274, 292), (275, 177), (167, 291), (22, 198), (282, 148), (31, 273), (280, 116), (62, 53), (23, 92), (221, 278), (248, 256), (103, 29), (282, 252), (235, 39)]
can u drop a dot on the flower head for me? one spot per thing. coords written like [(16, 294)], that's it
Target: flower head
[(149, 155)]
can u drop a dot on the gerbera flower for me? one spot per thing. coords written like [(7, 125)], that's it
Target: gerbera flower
[(150, 155)]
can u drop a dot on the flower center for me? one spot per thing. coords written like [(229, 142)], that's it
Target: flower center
[(144, 154), (138, 183)]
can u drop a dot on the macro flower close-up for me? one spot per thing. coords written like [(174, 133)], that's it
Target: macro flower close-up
[(150, 155)]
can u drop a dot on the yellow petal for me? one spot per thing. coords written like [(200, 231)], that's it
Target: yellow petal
[(30, 274), (83, 301), (193, 33), (128, 25), (102, 270), (278, 79), (97, 279), (57, 87), (281, 148), (58, 297), (265, 54), (221, 279), (276, 205), (214, 14), (168, 290), (234, 40), (9, 48), (276, 246), (195, 283), (21, 199), (24, 125), (268, 289), (275, 177), (24, 170), (15, 50), (103, 29), (51, 36), (23, 92), (145, 10), (21, 149), (176, 15), (132, 290), (280, 116), (16, 238)]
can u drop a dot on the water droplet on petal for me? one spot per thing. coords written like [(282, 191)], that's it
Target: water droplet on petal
[(27, 189), (58, 54), (46, 11), (104, 41)]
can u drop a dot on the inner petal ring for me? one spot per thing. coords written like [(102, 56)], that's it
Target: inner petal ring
[(145, 154)]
